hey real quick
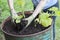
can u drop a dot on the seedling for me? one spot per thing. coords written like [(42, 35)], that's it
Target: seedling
[(45, 18), (17, 19)]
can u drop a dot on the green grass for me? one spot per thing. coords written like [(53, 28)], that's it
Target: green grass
[(58, 28)]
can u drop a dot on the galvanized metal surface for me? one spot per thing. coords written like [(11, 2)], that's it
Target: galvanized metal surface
[(47, 35)]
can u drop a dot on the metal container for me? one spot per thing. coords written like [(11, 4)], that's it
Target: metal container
[(46, 34)]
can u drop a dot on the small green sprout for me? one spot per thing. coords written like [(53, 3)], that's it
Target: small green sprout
[(18, 18), (21, 3)]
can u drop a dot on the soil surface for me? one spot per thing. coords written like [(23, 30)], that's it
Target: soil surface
[(14, 28), (9, 27)]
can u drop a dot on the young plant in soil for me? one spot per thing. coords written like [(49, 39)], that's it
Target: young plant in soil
[(21, 3), (45, 19)]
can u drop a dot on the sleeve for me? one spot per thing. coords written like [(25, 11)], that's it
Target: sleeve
[(35, 2)]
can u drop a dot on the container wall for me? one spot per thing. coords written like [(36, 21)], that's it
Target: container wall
[(47, 35)]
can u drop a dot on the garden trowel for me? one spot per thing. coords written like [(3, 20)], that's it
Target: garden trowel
[(38, 9)]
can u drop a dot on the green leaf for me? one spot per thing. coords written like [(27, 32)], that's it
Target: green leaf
[(46, 22), (44, 19), (18, 18), (44, 15), (18, 21), (53, 9)]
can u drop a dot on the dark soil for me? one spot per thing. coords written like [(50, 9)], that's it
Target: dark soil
[(12, 28), (9, 27)]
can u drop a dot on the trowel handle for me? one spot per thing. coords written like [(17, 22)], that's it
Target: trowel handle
[(11, 6), (39, 8)]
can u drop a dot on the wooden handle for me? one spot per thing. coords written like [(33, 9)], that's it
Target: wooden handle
[(11, 6), (10, 3), (39, 7)]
